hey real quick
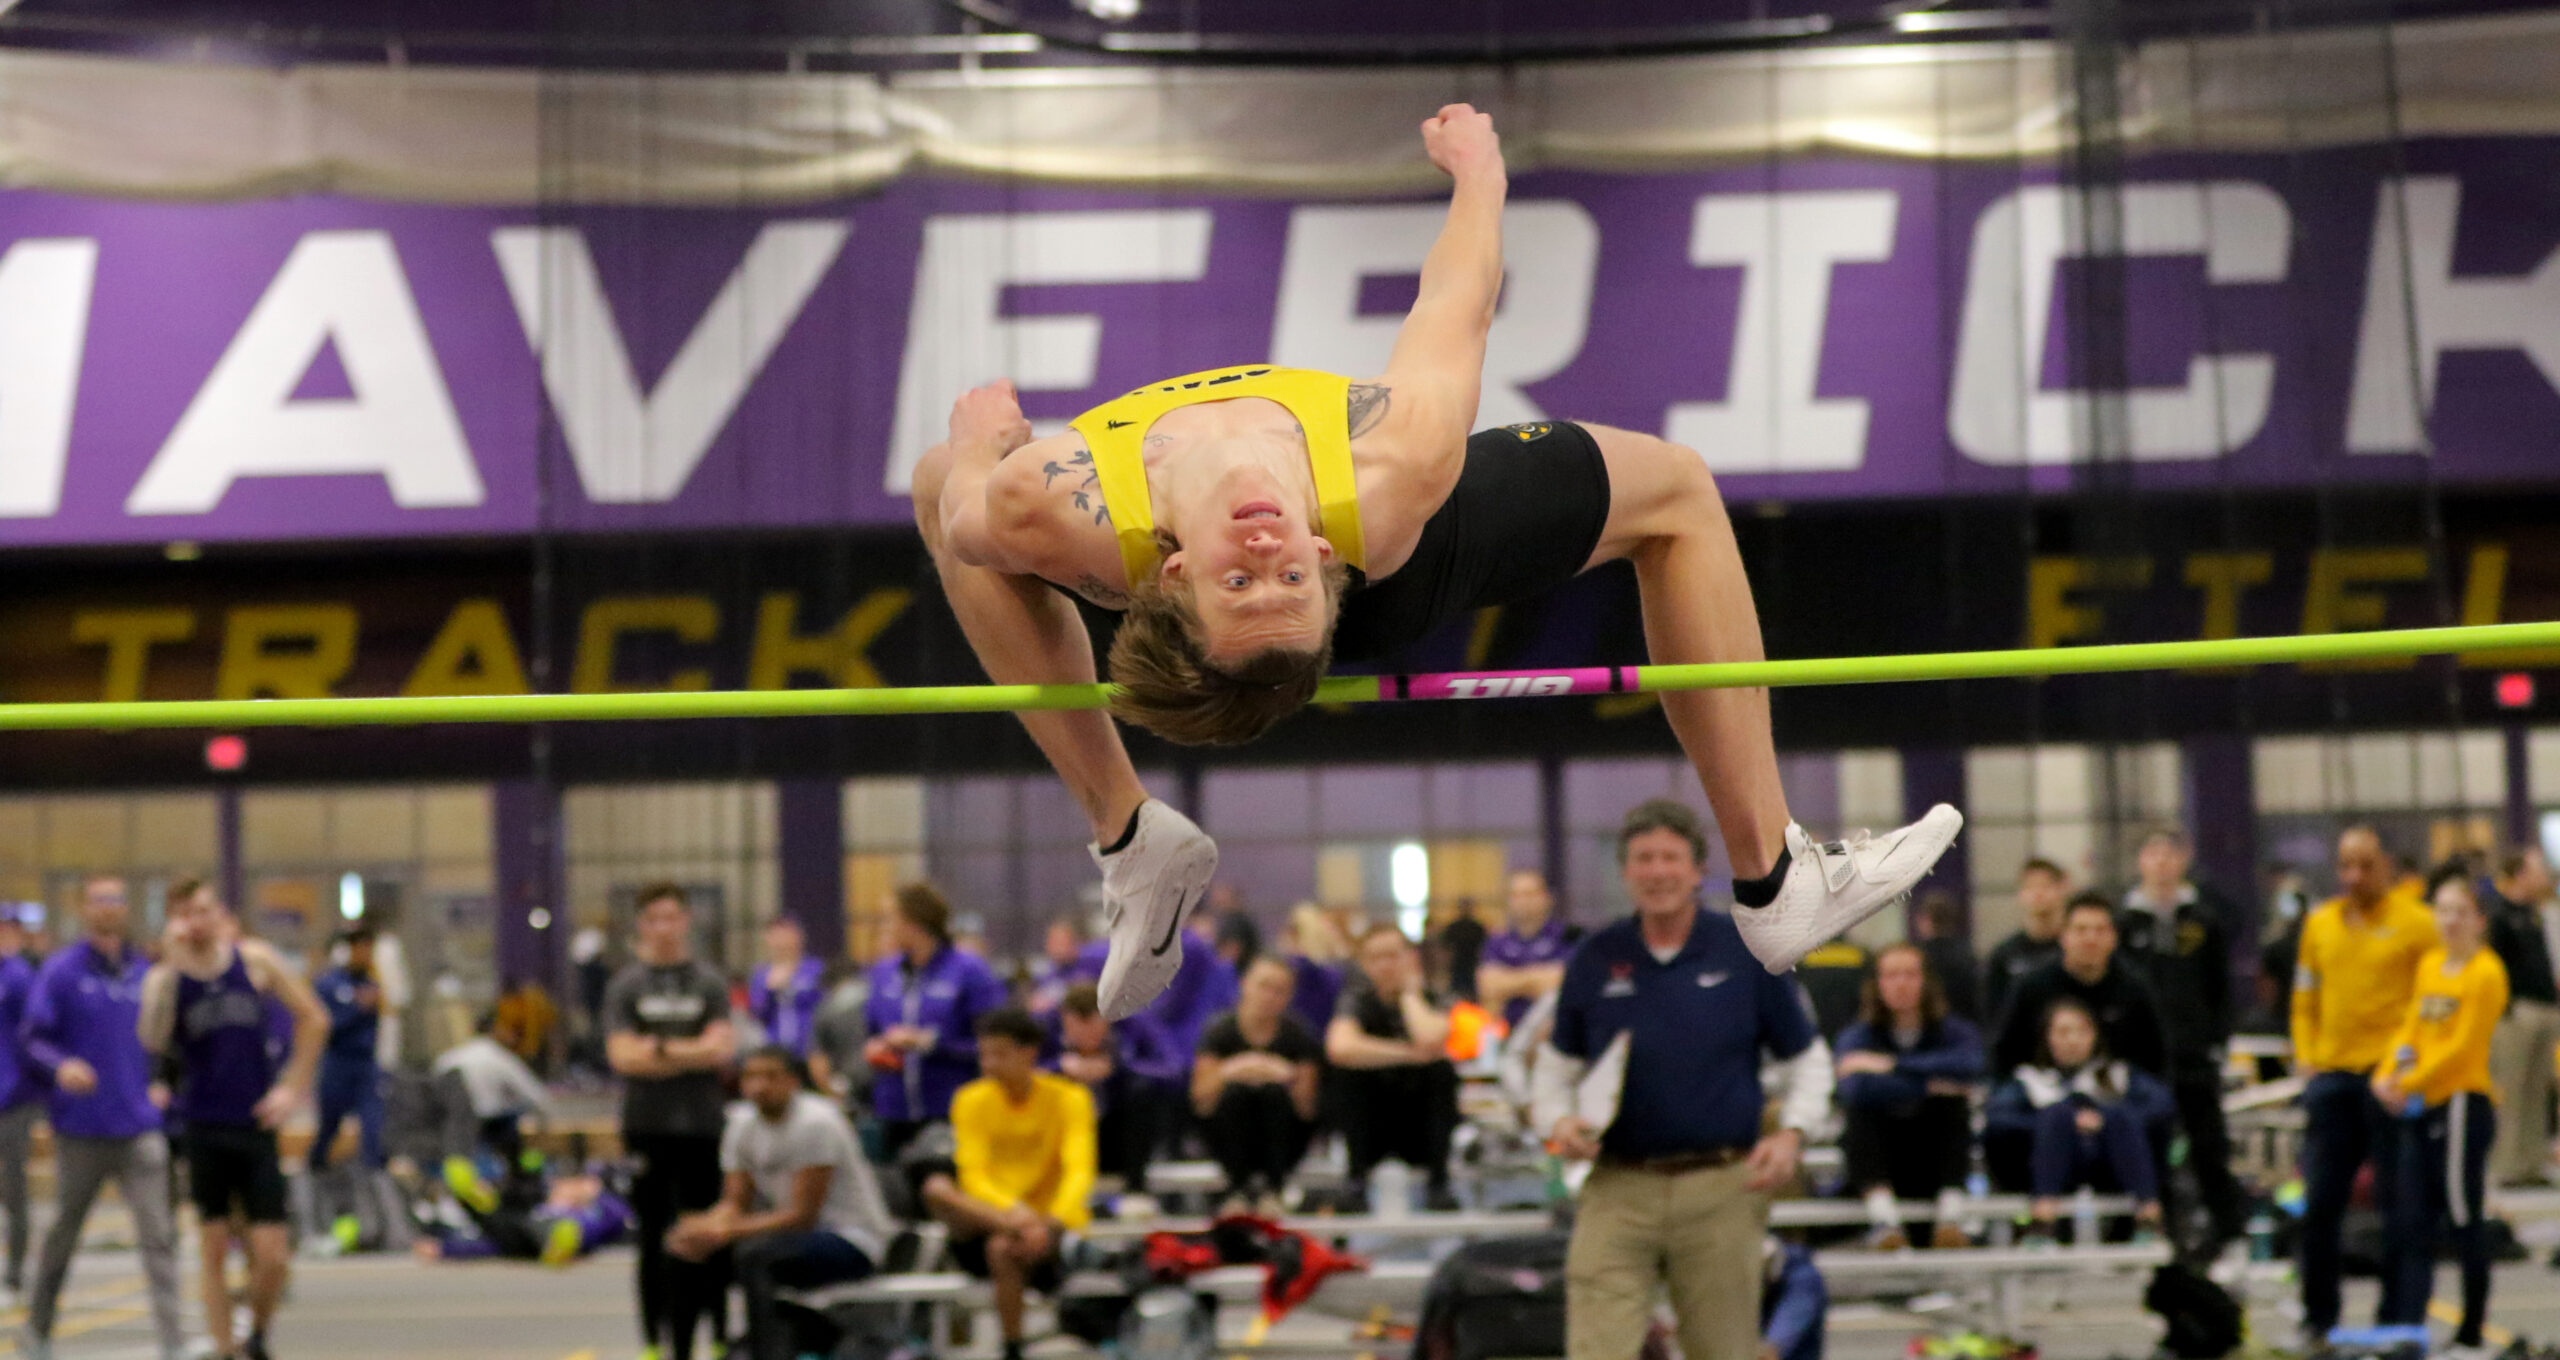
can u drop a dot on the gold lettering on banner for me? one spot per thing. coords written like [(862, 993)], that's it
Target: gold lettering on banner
[(2332, 604), (2224, 577), (257, 662), (474, 653), (2052, 619), (692, 618), (2484, 599), (129, 635), (842, 653)]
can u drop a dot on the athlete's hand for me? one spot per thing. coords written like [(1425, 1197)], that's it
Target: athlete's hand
[(277, 1105), (1461, 141), (990, 414)]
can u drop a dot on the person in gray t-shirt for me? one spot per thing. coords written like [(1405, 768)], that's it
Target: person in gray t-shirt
[(801, 1207)]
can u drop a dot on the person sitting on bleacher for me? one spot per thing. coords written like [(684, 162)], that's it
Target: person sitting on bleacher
[(1020, 1178), (1397, 1089), (799, 1207), (1907, 1069), (1253, 1085), (1130, 1068), (2089, 1118)]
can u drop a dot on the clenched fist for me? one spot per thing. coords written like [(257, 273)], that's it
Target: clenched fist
[(1461, 141), (990, 414)]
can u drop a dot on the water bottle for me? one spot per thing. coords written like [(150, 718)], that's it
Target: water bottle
[(2084, 1218), (2262, 1236), (1391, 1190)]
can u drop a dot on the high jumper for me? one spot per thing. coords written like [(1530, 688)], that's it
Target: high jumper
[(1253, 523)]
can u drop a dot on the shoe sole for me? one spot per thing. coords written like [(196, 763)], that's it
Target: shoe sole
[(1137, 972)]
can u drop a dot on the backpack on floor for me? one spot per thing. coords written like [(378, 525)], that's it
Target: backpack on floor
[(2205, 1322), (1493, 1299)]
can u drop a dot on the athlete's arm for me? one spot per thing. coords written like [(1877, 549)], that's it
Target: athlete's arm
[(1415, 419), (159, 1017), (1023, 632), (268, 974)]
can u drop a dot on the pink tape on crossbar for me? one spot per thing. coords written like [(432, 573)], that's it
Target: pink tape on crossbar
[(1510, 684)]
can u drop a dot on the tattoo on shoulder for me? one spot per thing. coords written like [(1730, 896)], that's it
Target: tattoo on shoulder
[(1084, 483), (1368, 403)]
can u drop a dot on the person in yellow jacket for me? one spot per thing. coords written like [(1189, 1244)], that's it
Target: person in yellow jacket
[(1020, 1180), (2436, 1082), (2352, 980)]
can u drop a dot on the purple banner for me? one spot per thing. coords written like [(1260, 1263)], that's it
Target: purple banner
[(1837, 329)]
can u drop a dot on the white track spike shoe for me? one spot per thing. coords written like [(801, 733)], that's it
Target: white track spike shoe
[(1831, 886), (1148, 886)]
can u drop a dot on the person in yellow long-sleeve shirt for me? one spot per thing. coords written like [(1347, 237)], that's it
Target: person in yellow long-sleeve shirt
[(1021, 1175), (2436, 1081), (2352, 980)]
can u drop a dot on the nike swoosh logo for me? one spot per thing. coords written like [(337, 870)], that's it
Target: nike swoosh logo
[(1118, 424), (1172, 930)]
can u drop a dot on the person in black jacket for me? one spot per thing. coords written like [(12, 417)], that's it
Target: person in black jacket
[(2042, 888), (2174, 936), (2128, 1017), (2520, 1056)]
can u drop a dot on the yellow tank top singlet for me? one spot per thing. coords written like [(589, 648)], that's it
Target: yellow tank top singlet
[(1116, 432)]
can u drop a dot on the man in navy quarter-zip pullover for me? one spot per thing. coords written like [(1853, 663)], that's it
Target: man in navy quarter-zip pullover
[(1680, 1194)]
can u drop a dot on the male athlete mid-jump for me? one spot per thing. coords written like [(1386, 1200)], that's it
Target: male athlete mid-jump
[(1253, 523)]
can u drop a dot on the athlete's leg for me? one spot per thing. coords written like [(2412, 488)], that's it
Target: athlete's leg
[(1666, 517), (270, 1247), (213, 1247)]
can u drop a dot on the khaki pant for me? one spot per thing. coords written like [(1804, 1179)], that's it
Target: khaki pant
[(1698, 1233), (2520, 1058)]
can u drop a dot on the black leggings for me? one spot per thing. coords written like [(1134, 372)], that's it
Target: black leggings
[(1257, 1136), (1917, 1153), (1407, 1113), (678, 1175)]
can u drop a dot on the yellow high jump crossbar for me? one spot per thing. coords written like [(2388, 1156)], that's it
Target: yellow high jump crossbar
[(2479, 641)]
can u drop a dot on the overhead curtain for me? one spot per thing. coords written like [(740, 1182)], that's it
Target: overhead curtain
[(156, 128)]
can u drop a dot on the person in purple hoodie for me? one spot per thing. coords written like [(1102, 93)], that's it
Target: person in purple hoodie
[(80, 1031), (20, 1090), (1204, 988), (1525, 960), (783, 995), (926, 998), (1133, 1071)]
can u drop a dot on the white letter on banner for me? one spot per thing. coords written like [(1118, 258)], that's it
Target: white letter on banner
[(337, 287), (955, 339), (635, 449), (1998, 412), (1770, 420), (2518, 312), (1550, 250), (44, 321)]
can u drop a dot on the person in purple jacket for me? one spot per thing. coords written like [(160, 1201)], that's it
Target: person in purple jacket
[(783, 995), (81, 1032), (1131, 1067), (1204, 989), (926, 998), (1525, 960), (19, 1090)]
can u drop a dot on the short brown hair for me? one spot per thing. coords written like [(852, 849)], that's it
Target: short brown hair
[(664, 890), (1663, 814), (184, 889), (1083, 1001), (922, 905), (1167, 685)]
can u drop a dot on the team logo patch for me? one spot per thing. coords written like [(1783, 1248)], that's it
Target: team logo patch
[(1622, 980), (1531, 432)]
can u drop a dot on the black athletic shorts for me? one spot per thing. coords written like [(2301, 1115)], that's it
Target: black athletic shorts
[(230, 1167), (1524, 518)]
